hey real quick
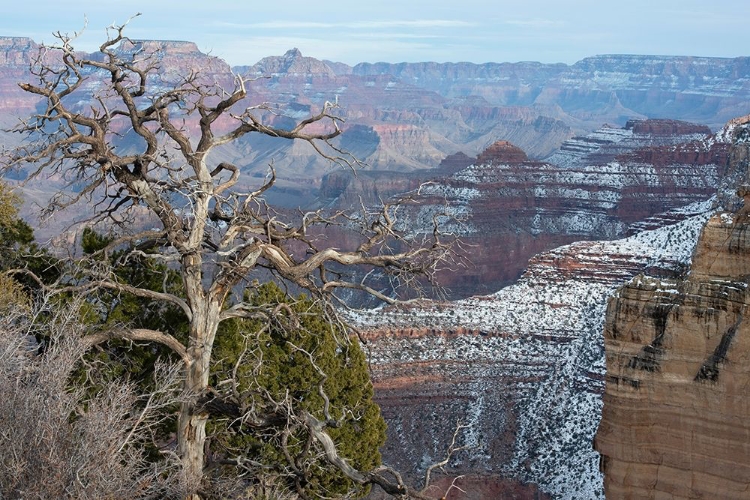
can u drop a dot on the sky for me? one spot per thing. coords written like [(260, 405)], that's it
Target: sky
[(352, 31)]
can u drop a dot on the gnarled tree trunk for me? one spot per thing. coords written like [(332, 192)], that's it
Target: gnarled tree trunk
[(191, 423), (208, 222)]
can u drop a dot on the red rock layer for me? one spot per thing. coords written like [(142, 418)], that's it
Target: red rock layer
[(518, 208), (479, 487), (16, 53), (501, 152), (422, 402)]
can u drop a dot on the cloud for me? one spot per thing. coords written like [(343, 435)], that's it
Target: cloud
[(420, 23), (535, 23)]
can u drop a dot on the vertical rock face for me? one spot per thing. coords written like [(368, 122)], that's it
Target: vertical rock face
[(675, 419), (177, 58), (525, 366), (15, 51)]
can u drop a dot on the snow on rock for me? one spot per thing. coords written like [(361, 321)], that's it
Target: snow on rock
[(597, 187), (525, 365)]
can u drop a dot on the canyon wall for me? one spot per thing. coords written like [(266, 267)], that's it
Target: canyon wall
[(409, 117), (675, 423), (508, 208), (524, 367), (595, 90)]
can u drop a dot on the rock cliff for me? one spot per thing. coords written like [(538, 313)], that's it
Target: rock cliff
[(409, 116), (674, 423), (391, 125), (16, 53), (291, 63), (599, 89), (525, 366)]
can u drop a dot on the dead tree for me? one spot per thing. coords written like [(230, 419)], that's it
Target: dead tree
[(203, 222)]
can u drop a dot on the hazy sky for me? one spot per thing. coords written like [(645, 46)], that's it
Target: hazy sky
[(351, 31)]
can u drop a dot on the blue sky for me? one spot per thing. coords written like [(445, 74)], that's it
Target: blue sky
[(350, 31)]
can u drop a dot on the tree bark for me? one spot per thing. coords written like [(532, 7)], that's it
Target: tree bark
[(191, 423), (207, 222)]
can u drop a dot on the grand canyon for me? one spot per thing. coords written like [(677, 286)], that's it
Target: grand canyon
[(593, 339)]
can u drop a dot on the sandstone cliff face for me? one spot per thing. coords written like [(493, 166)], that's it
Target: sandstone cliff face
[(675, 423), (604, 185), (16, 51), (410, 128), (176, 58)]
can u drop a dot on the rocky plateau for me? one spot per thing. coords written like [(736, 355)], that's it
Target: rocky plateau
[(557, 212), (406, 117), (507, 208)]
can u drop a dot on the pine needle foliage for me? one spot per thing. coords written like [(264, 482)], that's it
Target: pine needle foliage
[(286, 358)]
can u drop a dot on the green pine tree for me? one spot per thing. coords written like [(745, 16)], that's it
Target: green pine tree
[(110, 308), (17, 246), (276, 357)]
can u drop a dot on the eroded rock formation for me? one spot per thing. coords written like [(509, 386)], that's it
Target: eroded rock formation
[(596, 90), (16, 53), (410, 116), (595, 187), (525, 365), (675, 420)]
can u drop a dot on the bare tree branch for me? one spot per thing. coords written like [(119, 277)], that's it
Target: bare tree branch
[(143, 151), (140, 334)]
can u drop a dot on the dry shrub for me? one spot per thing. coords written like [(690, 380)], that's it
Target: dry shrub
[(59, 442)]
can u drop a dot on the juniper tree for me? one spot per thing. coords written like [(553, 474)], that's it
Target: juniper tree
[(300, 359)]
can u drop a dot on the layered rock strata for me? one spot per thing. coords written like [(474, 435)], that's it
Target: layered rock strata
[(596, 187), (408, 117), (524, 366), (675, 413), (16, 54), (595, 90)]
